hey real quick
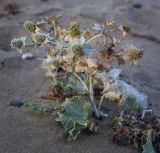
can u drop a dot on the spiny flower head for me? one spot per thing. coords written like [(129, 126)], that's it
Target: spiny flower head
[(18, 43), (39, 38), (74, 29), (135, 54), (77, 50), (30, 26)]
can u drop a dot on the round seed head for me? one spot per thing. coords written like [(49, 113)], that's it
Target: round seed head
[(135, 54), (74, 29), (17, 44), (77, 50), (39, 38), (29, 26)]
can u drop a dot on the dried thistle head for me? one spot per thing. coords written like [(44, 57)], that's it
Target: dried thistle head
[(135, 54), (18, 43), (77, 50), (30, 26), (39, 38), (74, 29)]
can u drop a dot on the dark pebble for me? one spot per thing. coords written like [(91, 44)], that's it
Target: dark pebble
[(16, 103), (137, 5)]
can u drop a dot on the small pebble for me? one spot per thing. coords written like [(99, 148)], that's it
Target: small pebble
[(16, 103), (137, 5), (2, 63), (27, 55)]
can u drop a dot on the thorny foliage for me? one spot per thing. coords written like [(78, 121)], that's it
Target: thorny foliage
[(78, 59), (75, 115)]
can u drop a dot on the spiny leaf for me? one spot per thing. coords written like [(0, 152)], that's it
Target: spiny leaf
[(71, 83), (35, 107), (75, 115)]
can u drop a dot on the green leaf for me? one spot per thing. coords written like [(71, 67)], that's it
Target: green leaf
[(117, 122), (70, 83), (148, 147), (35, 107), (132, 104), (75, 115)]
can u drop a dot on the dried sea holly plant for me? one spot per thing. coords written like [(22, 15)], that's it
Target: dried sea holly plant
[(78, 61)]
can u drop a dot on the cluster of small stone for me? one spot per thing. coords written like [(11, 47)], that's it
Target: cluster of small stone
[(30, 26), (135, 54), (74, 29)]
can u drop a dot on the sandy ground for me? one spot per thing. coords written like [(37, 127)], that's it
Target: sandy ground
[(22, 131)]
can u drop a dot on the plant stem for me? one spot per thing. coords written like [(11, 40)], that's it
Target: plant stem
[(52, 42), (29, 46), (54, 26), (100, 103), (91, 95), (94, 37), (79, 78), (89, 90)]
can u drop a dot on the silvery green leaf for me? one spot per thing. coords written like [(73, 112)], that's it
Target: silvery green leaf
[(74, 116), (79, 41), (88, 49), (97, 26), (23, 38)]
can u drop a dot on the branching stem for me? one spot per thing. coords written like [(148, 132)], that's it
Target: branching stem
[(79, 78), (91, 95), (52, 42), (100, 103), (99, 35), (55, 31)]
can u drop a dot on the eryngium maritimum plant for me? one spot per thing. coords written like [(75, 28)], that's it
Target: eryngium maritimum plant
[(78, 60)]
